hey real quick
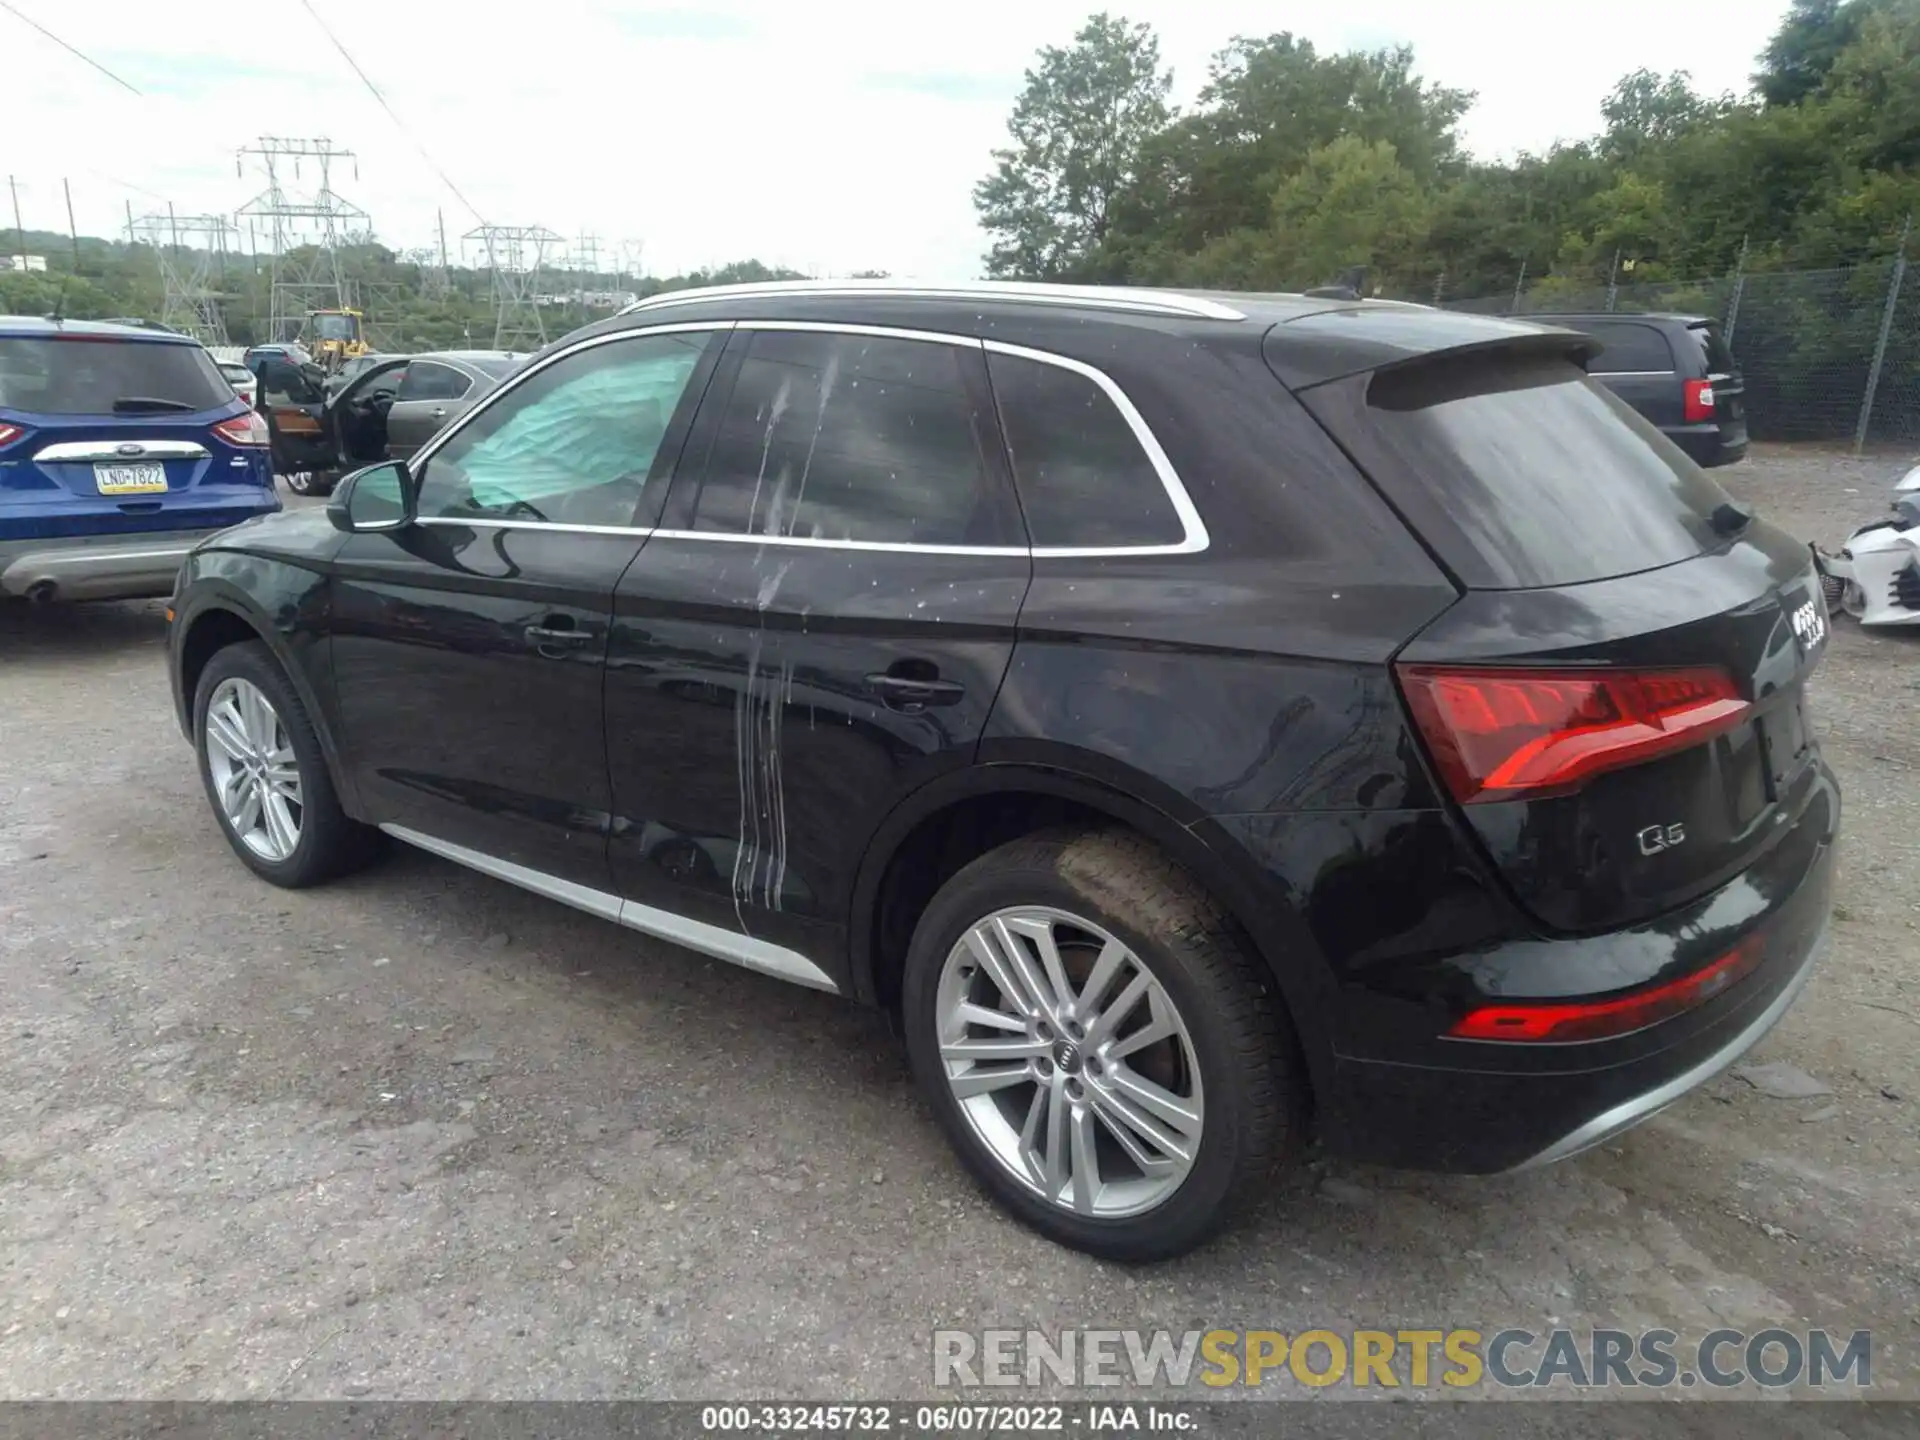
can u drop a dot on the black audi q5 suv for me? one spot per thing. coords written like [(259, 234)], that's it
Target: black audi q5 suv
[(1209, 721)]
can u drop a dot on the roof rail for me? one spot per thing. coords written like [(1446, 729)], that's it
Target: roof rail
[(1105, 297)]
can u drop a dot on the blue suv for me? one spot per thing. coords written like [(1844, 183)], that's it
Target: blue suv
[(121, 449)]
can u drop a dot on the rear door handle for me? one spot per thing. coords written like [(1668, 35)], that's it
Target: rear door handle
[(555, 640), (439, 412), (910, 696)]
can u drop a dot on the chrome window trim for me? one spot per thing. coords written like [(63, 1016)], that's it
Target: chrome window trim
[(455, 522), (721, 944), (1101, 297), (810, 542), (1195, 538), (109, 450)]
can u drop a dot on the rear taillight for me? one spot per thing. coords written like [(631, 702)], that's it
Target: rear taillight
[(10, 433), (1559, 1021), (1699, 401), (247, 429), (1500, 734)]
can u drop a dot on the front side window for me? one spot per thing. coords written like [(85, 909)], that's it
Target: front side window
[(575, 444), (844, 436), (1084, 479)]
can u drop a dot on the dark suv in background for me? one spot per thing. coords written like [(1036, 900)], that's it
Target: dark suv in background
[(1204, 719), (1677, 371)]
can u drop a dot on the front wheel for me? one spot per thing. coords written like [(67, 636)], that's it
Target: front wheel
[(266, 776), (1099, 1043)]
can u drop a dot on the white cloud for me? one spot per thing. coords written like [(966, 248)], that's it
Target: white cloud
[(830, 137)]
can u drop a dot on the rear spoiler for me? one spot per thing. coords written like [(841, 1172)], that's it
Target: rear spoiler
[(1333, 344)]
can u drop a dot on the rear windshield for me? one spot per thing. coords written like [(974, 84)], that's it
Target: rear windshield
[(1719, 357), (1523, 472), (495, 367), (74, 375)]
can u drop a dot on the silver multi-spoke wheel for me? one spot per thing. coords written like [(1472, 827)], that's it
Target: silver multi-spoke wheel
[(256, 780), (1070, 1062)]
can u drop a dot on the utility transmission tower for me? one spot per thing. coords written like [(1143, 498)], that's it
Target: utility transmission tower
[(306, 221), (435, 282), (514, 256), (192, 251), (632, 259)]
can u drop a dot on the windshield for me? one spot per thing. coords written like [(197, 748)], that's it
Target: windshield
[(1523, 473), (238, 374), (335, 327), (89, 375)]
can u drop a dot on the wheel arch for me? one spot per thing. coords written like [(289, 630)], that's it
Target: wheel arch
[(919, 827), (218, 614)]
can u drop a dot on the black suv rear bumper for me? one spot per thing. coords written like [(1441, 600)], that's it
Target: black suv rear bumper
[(1479, 1107)]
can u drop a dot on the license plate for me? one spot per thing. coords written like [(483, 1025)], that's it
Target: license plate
[(129, 479)]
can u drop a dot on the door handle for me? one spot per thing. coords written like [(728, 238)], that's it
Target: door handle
[(439, 412), (556, 639), (910, 694)]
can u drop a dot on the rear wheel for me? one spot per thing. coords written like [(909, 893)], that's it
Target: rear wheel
[(265, 774), (1099, 1043)]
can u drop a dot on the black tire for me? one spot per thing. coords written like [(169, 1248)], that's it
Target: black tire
[(331, 843), (1247, 1058), (300, 482)]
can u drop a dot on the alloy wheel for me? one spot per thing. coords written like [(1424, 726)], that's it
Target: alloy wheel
[(1070, 1062), (256, 779)]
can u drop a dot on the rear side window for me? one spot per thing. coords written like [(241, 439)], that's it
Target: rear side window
[(1083, 478), (1523, 473), (76, 375), (428, 381), (1627, 347), (853, 437), (1713, 348)]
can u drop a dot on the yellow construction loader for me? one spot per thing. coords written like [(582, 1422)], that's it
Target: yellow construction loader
[(334, 337)]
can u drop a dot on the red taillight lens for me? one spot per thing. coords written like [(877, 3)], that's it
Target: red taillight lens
[(1699, 401), (247, 429), (1554, 1021), (1519, 734), (10, 433)]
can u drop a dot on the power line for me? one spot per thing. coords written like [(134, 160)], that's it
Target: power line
[(78, 55), (374, 90)]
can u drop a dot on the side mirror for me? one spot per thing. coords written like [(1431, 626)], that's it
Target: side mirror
[(380, 497)]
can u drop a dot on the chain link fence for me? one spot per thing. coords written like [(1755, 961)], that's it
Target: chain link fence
[(1806, 341)]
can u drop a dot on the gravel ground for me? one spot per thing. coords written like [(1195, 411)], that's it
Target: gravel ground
[(422, 1135)]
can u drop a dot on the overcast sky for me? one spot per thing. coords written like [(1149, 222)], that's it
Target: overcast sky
[(830, 136)]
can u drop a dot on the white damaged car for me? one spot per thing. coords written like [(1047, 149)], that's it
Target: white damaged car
[(1876, 576)]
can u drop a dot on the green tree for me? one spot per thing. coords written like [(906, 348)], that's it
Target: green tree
[(1796, 61), (1647, 110), (1269, 104), (1078, 129)]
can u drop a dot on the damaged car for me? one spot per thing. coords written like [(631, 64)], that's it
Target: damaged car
[(1876, 576)]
